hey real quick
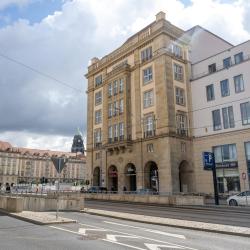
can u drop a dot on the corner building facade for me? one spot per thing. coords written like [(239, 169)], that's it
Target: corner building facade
[(138, 113)]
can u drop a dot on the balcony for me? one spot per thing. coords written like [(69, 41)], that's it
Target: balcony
[(149, 133)]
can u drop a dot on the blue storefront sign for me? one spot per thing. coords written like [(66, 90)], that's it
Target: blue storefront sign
[(208, 160)]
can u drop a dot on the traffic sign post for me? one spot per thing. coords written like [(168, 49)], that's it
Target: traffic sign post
[(209, 164), (59, 164), (244, 176)]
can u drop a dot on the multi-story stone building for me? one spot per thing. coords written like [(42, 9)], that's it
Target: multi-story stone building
[(220, 87), (138, 113), (24, 165)]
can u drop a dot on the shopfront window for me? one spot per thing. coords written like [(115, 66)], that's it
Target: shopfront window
[(247, 147), (227, 168)]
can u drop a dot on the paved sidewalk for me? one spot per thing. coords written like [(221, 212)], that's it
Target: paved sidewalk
[(209, 227), (41, 218)]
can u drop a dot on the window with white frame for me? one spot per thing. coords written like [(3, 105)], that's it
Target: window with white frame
[(177, 50), (178, 72), (121, 86), (228, 117), (216, 119), (238, 58), (180, 96), (239, 83), (110, 110), (146, 54), (225, 153), (115, 87), (245, 113), (149, 125), (224, 87), (98, 137), (181, 124), (147, 75), (150, 147), (115, 132), (121, 106), (116, 109), (148, 99), (210, 92), (98, 97), (98, 116), (110, 89), (110, 134), (121, 131)]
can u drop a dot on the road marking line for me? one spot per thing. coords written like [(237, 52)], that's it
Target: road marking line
[(141, 237), (66, 230), (83, 230), (158, 247), (113, 237), (180, 236), (122, 244)]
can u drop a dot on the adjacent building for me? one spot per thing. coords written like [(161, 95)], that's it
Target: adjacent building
[(24, 165), (220, 87)]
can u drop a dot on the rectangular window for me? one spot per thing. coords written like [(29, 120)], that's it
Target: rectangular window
[(121, 86), (149, 126), (116, 109), (115, 87), (216, 119), (212, 68), (181, 124), (238, 58), (224, 87), (210, 92), (245, 113), (121, 106), (228, 117), (180, 96), (98, 97), (98, 80), (121, 131), (150, 148), (98, 116), (148, 99), (98, 137), (146, 54), (110, 89), (225, 153), (178, 72), (110, 110), (110, 134), (239, 83), (177, 50), (147, 75), (115, 132), (227, 62)]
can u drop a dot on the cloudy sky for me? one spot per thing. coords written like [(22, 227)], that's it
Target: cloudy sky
[(45, 47)]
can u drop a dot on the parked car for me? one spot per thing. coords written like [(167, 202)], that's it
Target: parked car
[(241, 199), (97, 189)]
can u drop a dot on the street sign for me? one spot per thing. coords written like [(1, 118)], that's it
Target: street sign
[(208, 160), (244, 176), (59, 163)]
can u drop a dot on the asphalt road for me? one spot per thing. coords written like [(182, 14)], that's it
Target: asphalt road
[(220, 215), (96, 232)]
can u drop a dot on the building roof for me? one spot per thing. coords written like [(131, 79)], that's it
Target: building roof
[(6, 146)]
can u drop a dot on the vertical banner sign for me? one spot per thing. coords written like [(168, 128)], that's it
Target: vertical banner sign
[(209, 164), (59, 163)]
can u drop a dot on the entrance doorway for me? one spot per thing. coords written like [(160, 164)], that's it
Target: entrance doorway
[(151, 176), (130, 177), (113, 178), (96, 176)]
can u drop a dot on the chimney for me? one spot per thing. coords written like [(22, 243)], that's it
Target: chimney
[(160, 16)]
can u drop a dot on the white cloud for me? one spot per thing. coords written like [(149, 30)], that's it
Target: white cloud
[(6, 3), (62, 44)]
